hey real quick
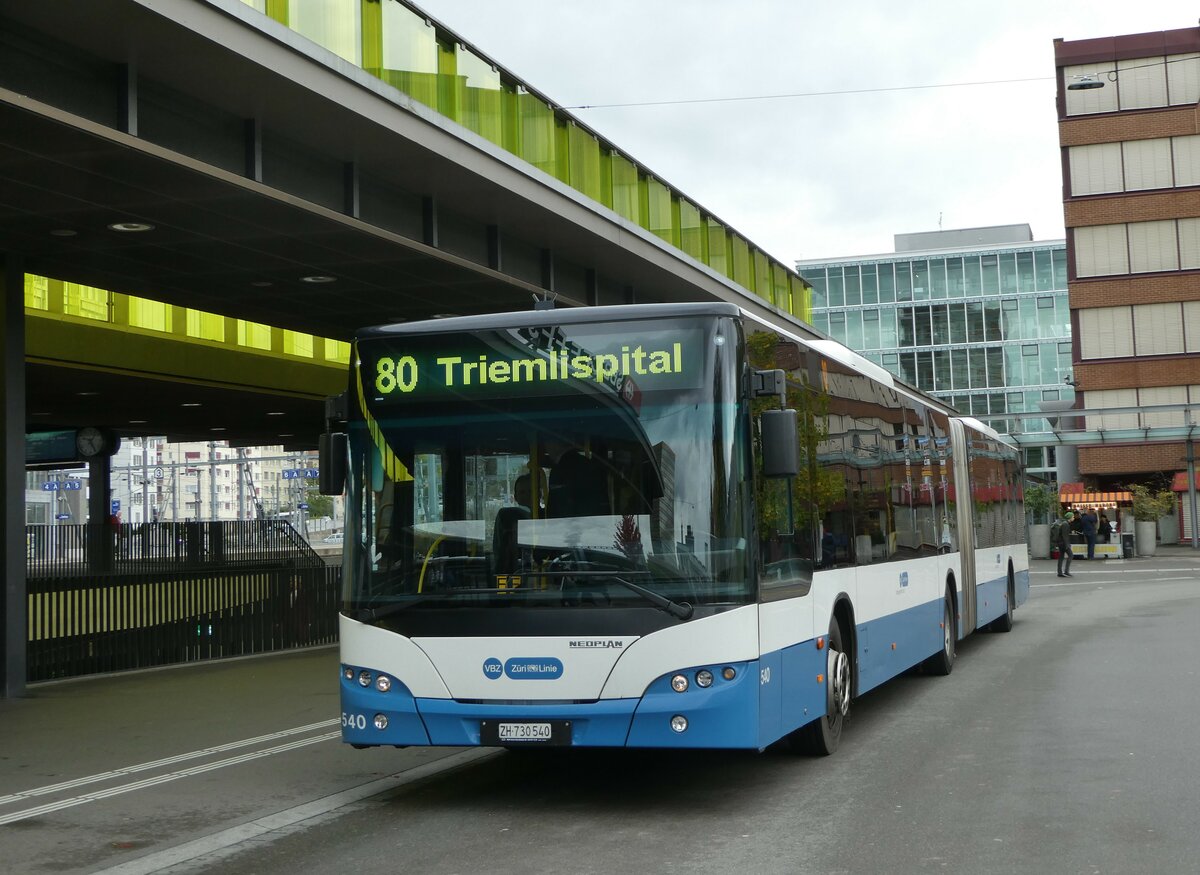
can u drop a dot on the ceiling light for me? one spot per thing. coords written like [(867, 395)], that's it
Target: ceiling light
[(275, 413), (318, 278), (85, 394), (130, 227), (287, 435), (190, 404), (217, 428), (63, 232), (443, 315), (137, 422)]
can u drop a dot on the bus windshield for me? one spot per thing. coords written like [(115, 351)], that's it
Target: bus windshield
[(583, 465)]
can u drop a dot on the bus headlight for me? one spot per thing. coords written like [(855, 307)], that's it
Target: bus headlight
[(679, 683), (348, 673), (381, 721), (704, 678), (383, 683), (364, 678), (679, 723)]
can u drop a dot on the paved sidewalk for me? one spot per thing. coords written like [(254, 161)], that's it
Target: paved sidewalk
[(1174, 557)]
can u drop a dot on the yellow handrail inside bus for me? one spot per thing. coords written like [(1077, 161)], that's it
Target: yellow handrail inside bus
[(425, 564)]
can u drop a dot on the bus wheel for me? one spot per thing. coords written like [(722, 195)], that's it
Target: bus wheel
[(942, 662), (822, 736), (1004, 622)]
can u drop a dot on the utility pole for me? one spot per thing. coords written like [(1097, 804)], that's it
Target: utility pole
[(145, 480), (212, 478)]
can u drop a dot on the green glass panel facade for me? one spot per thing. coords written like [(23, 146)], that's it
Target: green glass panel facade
[(691, 229), (396, 43), (762, 275), (740, 256), (480, 96), (584, 161), (537, 132), (150, 315), (85, 301), (656, 198), (333, 24), (716, 238), (626, 200), (401, 48)]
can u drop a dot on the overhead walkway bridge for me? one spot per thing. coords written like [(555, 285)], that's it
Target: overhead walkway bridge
[(250, 182)]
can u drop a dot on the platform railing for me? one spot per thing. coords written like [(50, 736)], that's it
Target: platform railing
[(172, 594)]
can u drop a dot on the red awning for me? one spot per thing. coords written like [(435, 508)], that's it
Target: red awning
[(1179, 484)]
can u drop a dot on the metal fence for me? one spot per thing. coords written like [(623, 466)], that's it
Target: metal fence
[(232, 589), (57, 550)]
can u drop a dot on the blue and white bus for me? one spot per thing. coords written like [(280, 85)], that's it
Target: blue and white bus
[(668, 525)]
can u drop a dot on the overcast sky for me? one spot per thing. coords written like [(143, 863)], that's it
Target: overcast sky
[(819, 176)]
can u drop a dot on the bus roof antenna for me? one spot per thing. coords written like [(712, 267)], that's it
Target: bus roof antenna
[(545, 302)]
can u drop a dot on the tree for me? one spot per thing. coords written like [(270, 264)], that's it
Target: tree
[(1039, 498), (318, 505), (1148, 505)]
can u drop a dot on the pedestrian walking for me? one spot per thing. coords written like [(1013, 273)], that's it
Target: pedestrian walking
[(1060, 538)]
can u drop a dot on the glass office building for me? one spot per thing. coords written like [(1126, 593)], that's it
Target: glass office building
[(984, 326)]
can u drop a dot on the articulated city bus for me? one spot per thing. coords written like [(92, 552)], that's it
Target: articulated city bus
[(667, 525)]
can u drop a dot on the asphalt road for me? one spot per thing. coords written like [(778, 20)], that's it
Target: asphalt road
[(1064, 746)]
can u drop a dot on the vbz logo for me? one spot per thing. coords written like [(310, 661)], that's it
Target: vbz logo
[(492, 668)]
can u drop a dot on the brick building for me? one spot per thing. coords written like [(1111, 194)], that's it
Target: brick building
[(1129, 129)]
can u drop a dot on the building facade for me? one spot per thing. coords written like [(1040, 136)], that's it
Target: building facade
[(978, 317), (1130, 141)]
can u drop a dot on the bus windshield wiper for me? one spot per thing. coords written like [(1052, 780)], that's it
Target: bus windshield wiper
[(369, 614), (682, 610)]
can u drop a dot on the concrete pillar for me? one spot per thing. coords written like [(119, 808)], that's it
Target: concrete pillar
[(13, 643)]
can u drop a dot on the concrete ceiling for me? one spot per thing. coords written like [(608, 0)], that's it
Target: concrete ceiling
[(228, 243)]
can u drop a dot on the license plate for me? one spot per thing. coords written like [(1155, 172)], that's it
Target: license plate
[(523, 731), (518, 732)]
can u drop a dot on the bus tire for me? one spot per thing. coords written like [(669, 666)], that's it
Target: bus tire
[(822, 736), (942, 662), (1004, 622)]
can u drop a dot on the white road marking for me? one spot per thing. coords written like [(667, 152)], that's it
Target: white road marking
[(234, 835), (1099, 580), (166, 761), (1096, 571), (162, 779)]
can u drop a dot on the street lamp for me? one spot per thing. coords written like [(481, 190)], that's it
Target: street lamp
[(1084, 82)]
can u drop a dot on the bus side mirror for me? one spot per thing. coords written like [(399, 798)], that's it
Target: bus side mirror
[(332, 448), (780, 443)]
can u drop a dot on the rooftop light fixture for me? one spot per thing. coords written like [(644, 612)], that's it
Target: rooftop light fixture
[(318, 278), (130, 227)]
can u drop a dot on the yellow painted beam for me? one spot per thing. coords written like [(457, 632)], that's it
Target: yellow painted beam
[(54, 339)]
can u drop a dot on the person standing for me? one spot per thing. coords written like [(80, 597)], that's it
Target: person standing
[(1089, 531), (1060, 537), (1105, 529)]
